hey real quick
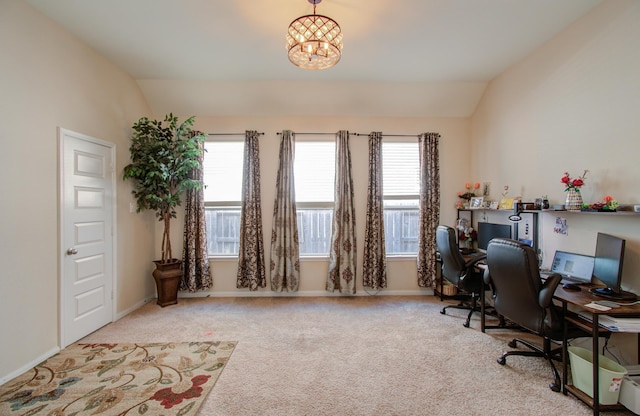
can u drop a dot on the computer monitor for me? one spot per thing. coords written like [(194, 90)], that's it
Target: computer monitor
[(607, 267), (488, 231)]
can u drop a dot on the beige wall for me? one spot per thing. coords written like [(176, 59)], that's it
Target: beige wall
[(402, 277), (48, 80), (572, 105)]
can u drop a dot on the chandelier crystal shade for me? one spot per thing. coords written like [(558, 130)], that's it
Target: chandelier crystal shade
[(314, 41)]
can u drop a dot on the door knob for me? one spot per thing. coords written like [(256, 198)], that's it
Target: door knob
[(72, 251)]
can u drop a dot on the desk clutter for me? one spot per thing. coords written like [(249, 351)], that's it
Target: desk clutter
[(509, 270)]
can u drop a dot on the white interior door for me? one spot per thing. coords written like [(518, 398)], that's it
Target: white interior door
[(87, 219)]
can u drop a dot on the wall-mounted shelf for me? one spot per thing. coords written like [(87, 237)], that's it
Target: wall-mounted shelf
[(605, 213)]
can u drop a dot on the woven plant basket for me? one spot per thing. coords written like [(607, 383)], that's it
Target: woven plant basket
[(449, 290)]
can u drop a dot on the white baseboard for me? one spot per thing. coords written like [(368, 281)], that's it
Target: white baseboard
[(309, 293), (29, 365), (132, 308)]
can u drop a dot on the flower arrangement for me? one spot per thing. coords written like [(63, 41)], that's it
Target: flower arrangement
[(609, 204), (468, 194), (466, 233), (575, 183)]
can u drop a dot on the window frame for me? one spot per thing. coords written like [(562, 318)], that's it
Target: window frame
[(315, 205), (222, 206), (414, 210)]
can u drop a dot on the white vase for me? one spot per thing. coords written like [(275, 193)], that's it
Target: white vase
[(573, 201)]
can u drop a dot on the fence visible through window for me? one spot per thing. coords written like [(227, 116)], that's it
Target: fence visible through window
[(223, 231), (401, 230), (314, 231)]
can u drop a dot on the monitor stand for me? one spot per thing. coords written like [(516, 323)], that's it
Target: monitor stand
[(607, 292)]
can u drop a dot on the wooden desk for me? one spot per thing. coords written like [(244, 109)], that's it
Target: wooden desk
[(579, 299)]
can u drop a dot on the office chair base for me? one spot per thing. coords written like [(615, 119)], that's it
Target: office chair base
[(545, 353), (472, 306)]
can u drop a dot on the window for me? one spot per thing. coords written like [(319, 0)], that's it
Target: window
[(401, 189), (314, 173), (223, 168)]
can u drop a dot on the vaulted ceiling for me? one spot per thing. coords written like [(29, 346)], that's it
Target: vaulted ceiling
[(411, 58)]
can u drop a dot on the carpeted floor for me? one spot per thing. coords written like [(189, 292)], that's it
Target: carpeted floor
[(383, 355), (118, 379)]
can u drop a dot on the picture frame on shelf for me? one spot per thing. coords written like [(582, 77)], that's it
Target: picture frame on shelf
[(476, 202), (506, 203), (494, 205)]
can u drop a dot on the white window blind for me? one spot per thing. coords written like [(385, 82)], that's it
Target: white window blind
[(314, 171), (400, 169), (222, 171)]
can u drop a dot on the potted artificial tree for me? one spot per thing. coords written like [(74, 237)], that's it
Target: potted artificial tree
[(162, 157)]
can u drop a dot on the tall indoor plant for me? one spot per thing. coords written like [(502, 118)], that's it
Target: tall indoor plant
[(163, 153)]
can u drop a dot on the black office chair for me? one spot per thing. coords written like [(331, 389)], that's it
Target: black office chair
[(521, 297), (459, 272)]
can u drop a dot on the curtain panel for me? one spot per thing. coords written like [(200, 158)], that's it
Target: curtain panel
[(343, 254), (374, 268), (429, 211), (195, 261), (285, 252), (251, 267)]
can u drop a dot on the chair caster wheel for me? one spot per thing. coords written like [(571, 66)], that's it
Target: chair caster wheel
[(502, 361), (466, 324), (554, 387), (513, 343)]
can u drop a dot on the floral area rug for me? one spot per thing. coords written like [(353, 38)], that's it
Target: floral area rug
[(119, 379)]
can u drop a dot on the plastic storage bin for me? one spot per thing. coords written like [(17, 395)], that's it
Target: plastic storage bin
[(609, 376)]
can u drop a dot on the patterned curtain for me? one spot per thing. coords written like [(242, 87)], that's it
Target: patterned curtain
[(285, 255), (375, 258), (342, 256), (195, 260), (429, 208), (251, 253)]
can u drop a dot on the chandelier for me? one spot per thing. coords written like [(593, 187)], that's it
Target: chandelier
[(314, 41)]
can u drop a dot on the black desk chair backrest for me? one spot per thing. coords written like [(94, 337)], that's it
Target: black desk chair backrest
[(519, 294), (454, 268)]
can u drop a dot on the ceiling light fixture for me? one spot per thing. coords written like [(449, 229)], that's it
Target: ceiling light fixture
[(314, 41)]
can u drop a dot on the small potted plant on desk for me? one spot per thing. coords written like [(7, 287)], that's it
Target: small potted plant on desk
[(163, 154)]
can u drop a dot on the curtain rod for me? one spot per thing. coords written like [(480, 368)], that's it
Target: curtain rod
[(390, 135), (231, 134), (361, 134), (334, 133)]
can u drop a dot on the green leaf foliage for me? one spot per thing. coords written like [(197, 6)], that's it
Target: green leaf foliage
[(163, 154)]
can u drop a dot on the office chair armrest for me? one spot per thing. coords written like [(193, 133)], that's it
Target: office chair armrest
[(486, 277), (548, 288), (472, 262)]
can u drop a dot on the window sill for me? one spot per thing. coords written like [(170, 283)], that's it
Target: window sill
[(223, 258)]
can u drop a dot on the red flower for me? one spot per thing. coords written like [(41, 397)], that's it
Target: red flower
[(608, 198), (573, 183), (168, 398)]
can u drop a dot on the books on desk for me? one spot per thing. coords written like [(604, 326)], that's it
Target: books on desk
[(614, 323)]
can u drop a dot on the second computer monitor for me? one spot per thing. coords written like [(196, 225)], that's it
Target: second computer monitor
[(607, 267), (488, 231)]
